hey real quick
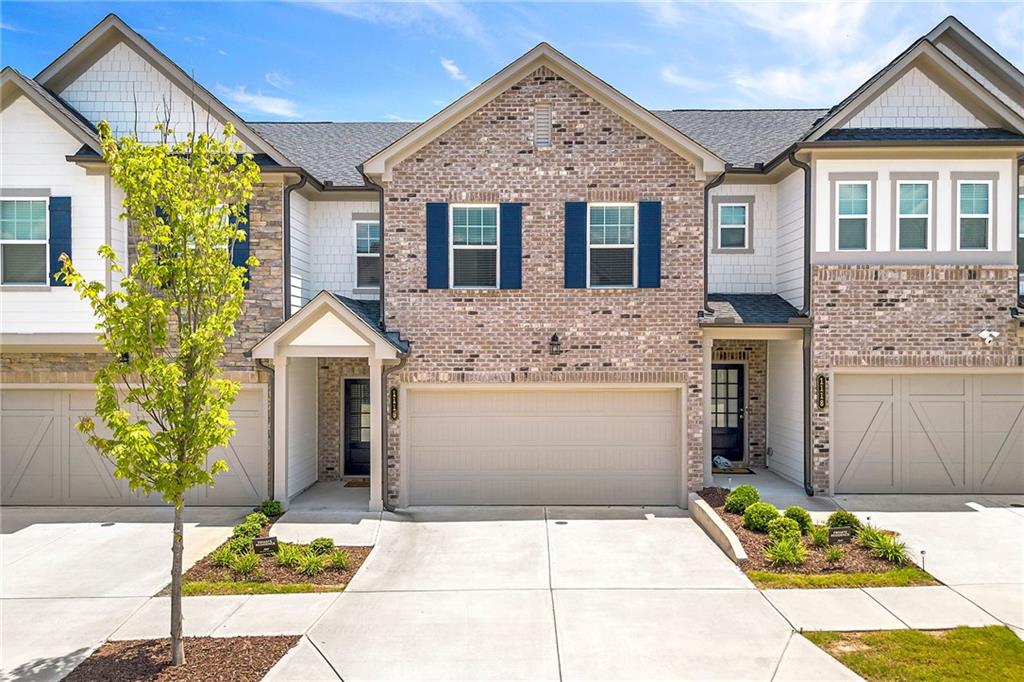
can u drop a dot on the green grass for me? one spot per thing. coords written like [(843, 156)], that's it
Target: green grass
[(977, 654), (204, 587), (897, 577)]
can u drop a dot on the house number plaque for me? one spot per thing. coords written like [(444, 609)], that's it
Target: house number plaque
[(393, 404), (822, 391)]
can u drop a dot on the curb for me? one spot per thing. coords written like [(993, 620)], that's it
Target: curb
[(716, 529)]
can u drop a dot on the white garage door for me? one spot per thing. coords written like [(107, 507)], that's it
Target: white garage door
[(937, 433), (47, 461), (544, 447)]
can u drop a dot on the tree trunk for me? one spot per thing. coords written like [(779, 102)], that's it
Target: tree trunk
[(177, 645)]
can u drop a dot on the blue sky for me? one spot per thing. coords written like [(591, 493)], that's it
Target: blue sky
[(357, 61)]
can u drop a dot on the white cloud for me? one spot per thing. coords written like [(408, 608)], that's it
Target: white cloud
[(1011, 32), (6, 26), (258, 102), (277, 80), (399, 119), (438, 16), (671, 75), (826, 27), (454, 72), (666, 14)]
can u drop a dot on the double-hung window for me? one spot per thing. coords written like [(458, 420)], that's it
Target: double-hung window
[(474, 246), (852, 216), (368, 266), (914, 217), (974, 214), (733, 226), (24, 255), (611, 245)]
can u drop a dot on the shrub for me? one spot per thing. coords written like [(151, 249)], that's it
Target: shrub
[(248, 530), (889, 548), (802, 518), (834, 554), (783, 528), (786, 552), (257, 517), (869, 536), (289, 555), (240, 545), (819, 536), (842, 518), (245, 564), (758, 515), (222, 556), (739, 499), (338, 559), (311, 564), (271, 507), (321, 546)]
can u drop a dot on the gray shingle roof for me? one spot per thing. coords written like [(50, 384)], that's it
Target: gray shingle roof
[(332, 152), (369, 312), (752, 308), (919, 134)]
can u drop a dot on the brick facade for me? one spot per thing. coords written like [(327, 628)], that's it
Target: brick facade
[(331, 375), (754, 354), (908, 316), (609, 336)]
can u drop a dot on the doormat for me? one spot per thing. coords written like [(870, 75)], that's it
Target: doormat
[(733, 470), (357, 483)]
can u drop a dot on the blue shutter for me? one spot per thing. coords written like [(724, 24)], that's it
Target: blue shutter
[(649, 245), (511, 246), (575, 245), (437, 246), (240, 252), (60, 235)]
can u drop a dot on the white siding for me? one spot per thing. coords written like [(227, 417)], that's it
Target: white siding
[(301, 285), (914, 101), (302, 418), (333, 260), (785, 409), (32, 151), (746, 273), (1017, 105), (789, 238)]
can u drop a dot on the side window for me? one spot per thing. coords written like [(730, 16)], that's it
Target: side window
[(474, 246), (852, 216), (611, 245), (733, 226), (368, 266), (914, 217), (23, 241), (974, 215)]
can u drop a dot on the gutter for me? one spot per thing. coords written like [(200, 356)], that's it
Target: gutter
[(287, 246), (385, 373), (262, 364), (708, 186)]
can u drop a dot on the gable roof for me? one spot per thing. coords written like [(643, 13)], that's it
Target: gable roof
[(63, 113), (112, 30), (543, 55), (952, 31)]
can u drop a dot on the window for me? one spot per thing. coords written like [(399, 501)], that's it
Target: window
[(733, 226), (542, 125), (367, 254), (974, 213), (23, 241), (611, 245), (474, 252), (1020, 240), (914, 215), (852, 215)]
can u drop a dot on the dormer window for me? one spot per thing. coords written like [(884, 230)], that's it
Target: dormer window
[(542, 125)]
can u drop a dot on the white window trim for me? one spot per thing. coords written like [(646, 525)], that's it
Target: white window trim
[(927, 216), (452, 246), (355, 235), (987, 216), (636, 230), (868, 222), (745, 226), (46, 242)]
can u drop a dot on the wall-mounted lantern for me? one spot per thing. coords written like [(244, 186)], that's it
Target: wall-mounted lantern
[(555, 345)]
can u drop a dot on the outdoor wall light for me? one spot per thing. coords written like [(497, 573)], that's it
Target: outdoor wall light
[(555, 345)]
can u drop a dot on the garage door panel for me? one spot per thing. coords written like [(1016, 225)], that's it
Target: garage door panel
[(864, 445), (999, 464), (934, 453), (29, 467)]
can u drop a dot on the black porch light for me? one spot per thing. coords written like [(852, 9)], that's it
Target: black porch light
[(554, 345)]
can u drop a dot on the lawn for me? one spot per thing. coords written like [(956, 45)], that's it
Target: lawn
[(897, 577), (977, 654)]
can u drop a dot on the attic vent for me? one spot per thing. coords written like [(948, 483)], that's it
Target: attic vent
[(542, 125)]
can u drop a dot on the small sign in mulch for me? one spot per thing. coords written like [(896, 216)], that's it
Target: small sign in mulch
[(842, 535), (266, 545)]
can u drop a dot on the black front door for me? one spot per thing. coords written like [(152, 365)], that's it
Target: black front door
[(357, 427), (727, 408)]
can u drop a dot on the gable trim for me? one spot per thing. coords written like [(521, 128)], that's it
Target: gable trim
[(380, 165), (49, 104)]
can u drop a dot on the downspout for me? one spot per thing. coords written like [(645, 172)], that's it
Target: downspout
[(707, 231), (808, 330), (287, 247), (385, 373), (262, 364)]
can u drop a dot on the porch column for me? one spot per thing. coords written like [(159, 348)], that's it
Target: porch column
[(281, 430), (376, 436), (709, 344)]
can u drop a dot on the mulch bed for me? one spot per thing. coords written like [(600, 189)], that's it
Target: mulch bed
[(239, 659), (856, 558)]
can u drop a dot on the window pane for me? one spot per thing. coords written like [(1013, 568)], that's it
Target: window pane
[(24, 263), (914, 199), (611, 224), (853, 199), (475, 268), (974, 198), (367, 237), (368, 271), (475, 225), (733, 215), (23, 219), (974, 233), (913, 233), (853, 233), (733, 237), (611, 267)]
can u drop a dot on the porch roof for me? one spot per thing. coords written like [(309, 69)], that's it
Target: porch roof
[(752, 309)]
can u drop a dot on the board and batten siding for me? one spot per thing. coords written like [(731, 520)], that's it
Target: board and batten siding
[(302, 424), (789, 238), (748, 272), (32, 155), (785, 409), (301, 285)]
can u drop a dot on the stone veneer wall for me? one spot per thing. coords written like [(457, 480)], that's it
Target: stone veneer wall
[(755, 354), (907, 316), (495, 336), (331, 375)]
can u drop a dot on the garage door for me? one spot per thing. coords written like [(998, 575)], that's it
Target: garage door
[(45, 460), (544, 447), (939, 433)]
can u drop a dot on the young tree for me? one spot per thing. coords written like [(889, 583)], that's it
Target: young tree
[(162, 397)]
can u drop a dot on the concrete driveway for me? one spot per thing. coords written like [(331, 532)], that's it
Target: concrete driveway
[(556, 594), (973, 543), (71, 576)]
